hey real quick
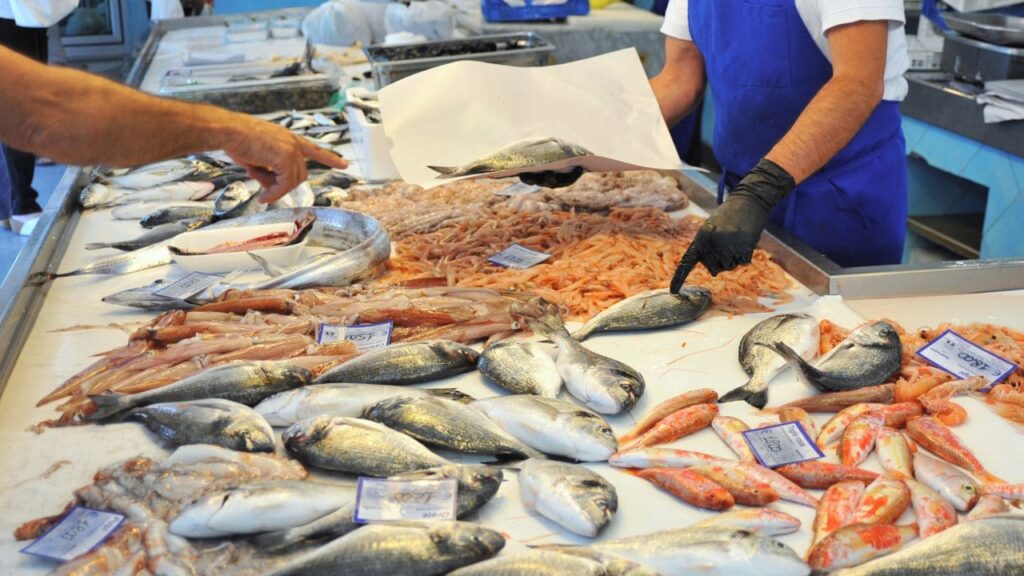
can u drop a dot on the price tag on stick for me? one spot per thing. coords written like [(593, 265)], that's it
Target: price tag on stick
[(383, 500), (781, 444), (964, 359), (519, 257), (79, 532)]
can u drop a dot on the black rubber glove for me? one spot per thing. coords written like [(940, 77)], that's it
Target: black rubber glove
[(551, 179), (728, 238)]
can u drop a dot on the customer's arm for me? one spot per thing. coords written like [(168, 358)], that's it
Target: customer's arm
[(78, 118)]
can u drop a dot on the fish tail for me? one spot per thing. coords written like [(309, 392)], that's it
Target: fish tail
[(583, 333), (451, 394), (543, 317), (97, 245), (749, 393), (805, 371), (107, 405), (445, 171)]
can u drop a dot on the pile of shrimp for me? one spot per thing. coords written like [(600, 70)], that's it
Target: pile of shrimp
[(596, 259), (918, 380)]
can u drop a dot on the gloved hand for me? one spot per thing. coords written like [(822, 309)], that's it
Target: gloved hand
[(727, 239), (551, 179)]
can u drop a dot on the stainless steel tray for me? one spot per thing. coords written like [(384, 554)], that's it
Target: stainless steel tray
[(1001, 29), (392, 63)]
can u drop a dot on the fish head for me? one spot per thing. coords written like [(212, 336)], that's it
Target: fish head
[(307, 432), (599, 504), (459, 352), (195, 521), (877, 334), (774, 558), (466, 539), (697, 296), (287, 375), (969, 493), (590, 434), (250, 435)]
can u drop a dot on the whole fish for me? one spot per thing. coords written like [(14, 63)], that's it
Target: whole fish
[(175, 191), (140, 211), (96, 194), (477, 485), (552, 426), (572, 496), (244, 382), (833, 430), (448, 424), (745, 488), (208, 421), (668, 407), (836, 401), (157, 234), (356, 446), (859, 438), (835, 508), (602, 384), (518, 156), (884, 501), (894, 453), (941, 441), (660, 458), (349, 400), (259, 507), (867, 356), (399, 549), (160, 173), (957, 488), (934, 514), (858, 543), (798, 332), (521, 368), (991, 546), (534, 563), (407, 363), (786, 488), (177, 213), (731, 430), (795, 414), (690, 487), (988, 505), (815, 475), (649, 310), (678, 424), (763, 521), (143, 297)]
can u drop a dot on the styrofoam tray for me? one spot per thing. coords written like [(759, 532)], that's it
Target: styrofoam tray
[(229, 262)]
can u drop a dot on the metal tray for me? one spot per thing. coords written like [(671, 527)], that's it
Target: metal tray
[(1001, 29), (391, 63)]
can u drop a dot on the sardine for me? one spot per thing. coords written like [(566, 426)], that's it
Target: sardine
[(602, 384), (521, 155), (400, 549), (799, 332), (448, 424), (570, 495), (209, 421), (177, 213), (259, 507), (356, 446), (521, 368), (554, 427), (349, 400), (244, 382), (157, 234), (649, 310), (992, 546), (534, 563), (407, 363), (868, 356)]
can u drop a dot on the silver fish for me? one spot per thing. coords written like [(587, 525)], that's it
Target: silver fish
[(259, 507), (143, 209), (477, 485), (612, 565), (208, 421), (160, 173), (798, 331), (244, 382), (649, 310), (570, 495), (447, 424), (400, 549), (177, 213), (144, 298), (330, 196), (157, 234), (349, 400), (231, 197), (96, 194), (534, 563), (992, 546), (868, 356), (602, 384), (407, 363), (554, 427), (521, 368), (521, 155), (175, 191), (356, 446)]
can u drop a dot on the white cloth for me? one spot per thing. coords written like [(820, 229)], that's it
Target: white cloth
[(820, 16), (36, 13), (166, 10)]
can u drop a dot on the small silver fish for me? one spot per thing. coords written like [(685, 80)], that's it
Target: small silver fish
[(798, 331), (158, 174), (572, 496), (521, 155), (553, 426), (96, 194), (178, 213), (867, 356), (208, 421), (521, 368), (407, 363), (230, 198), (534, 563), (157, 234), (173, 192), (349, 400), (649, 310)]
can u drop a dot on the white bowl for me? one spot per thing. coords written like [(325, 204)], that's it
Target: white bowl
[(201, 239)]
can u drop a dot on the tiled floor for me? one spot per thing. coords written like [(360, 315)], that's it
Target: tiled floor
[(46, 180)]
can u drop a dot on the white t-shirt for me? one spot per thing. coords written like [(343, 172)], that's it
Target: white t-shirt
[(819, 16)]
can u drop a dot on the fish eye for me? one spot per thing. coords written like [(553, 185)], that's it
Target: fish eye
[(969, 488), (604, 430)]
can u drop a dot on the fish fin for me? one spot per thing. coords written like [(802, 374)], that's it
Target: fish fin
[(269, 269), (96, 245), (445, 171), (756, 398), (807, 373), (107, 405), (451, 394)]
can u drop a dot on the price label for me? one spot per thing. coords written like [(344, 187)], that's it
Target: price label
[(366, 337), (383, 500), (782, 444), (188, 286), (517, 189), (519, 257), (964, 359), (79, 532)]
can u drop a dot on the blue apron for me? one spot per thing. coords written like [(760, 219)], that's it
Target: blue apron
[(764, 68)]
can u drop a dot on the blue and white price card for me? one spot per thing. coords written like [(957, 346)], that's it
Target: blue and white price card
[(188, 286), (519, 257), (964, 359), (517, 189), (79, 532), (781, 444), (384, 500), (366, 337)]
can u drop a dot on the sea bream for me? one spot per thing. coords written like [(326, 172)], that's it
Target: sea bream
[(349, 400), (406, 363), (207, 421), (521, 368), (570, 495), (649, 310), (519, 156)]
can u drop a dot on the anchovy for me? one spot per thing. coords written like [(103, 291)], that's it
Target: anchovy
[(572, 496), (521, 368), (157, 234), (407, 363), (349, 400), (798, 331), (868, 356), (552, 426), (521, 155), (209, 421), (649, 310)]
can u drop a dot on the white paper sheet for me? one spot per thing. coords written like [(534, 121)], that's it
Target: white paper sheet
[(457, 113)]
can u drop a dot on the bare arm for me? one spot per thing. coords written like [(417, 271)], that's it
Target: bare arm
[(843, 105), (680, 84), (78, 118)]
